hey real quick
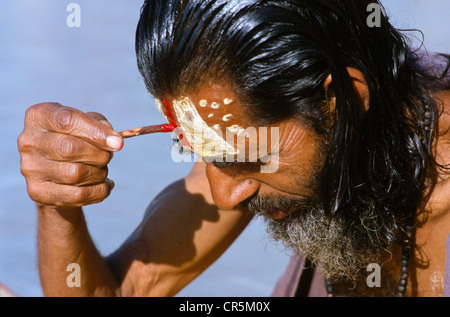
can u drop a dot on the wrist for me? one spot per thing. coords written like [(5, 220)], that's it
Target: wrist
[(60, 216)]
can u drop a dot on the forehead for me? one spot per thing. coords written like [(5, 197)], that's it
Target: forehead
[(219, 105), (213, 122)]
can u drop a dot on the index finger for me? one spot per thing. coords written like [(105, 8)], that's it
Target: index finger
[(66, 120)]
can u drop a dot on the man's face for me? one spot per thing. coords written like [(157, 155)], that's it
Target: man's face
[(288, 197), (297, 151)]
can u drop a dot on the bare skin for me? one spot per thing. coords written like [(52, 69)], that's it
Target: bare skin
[(434, 219), (64, 158), (65, 169)]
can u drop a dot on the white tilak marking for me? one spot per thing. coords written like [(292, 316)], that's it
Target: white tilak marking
[(227, 117), (215, 105), (227, 101), (203, 103), (203, 140)]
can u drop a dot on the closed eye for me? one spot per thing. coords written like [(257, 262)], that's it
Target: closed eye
[(249, 167)]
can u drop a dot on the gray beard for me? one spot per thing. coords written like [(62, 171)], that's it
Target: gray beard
[(339, 247)]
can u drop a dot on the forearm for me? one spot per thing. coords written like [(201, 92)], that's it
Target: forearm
[(63, 239)]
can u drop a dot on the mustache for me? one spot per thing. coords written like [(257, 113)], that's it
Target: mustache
[(270, 204)]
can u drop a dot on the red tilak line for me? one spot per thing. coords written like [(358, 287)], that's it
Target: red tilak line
[(169, 114), (173, 124), (163, 128)]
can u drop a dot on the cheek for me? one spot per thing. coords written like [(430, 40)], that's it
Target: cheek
[(299, 173), (291, 179)]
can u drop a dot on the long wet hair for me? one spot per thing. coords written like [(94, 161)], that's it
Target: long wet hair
[(277, 54)]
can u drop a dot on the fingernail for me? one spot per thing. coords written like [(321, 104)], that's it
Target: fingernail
[(114, 142), (110, 183)]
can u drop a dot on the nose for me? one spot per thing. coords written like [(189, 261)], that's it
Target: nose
[(229, 189)]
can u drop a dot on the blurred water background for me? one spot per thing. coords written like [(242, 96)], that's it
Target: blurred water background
[(93, 68)]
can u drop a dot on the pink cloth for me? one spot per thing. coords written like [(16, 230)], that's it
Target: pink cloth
[(288, 284)]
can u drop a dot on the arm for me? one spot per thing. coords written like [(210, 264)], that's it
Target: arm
[(63, 239), (181, 234), (64, 154)]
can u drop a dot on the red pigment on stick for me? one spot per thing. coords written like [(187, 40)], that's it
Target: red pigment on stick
[(146, 130), (164, 128)]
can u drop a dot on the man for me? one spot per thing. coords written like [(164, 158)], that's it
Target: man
[(361, 149)]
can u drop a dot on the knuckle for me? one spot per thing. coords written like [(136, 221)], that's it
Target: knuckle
[(24, 142), (88, 195), (74, 173), (31, 167), (23, 170), (35, 110), (64, 119), (102, 193), (31, 112), (79, 195), (65, 148), (34, 191)]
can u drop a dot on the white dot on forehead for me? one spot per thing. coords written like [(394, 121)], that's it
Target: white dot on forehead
[(203, 103), (227, 101), (215, 105), (210, 115), (227, 117)]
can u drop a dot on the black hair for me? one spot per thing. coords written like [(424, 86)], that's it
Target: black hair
[(277, 54)]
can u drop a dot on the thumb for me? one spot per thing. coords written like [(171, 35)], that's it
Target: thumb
[(112, 141)]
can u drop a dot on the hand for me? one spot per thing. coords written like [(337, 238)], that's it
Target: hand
[(64, 155)]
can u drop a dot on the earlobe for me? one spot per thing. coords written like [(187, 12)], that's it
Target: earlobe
[(328, 82), (330, 97), (359, 83)]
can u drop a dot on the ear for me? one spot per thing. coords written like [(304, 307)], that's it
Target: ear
[(359, 84)]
